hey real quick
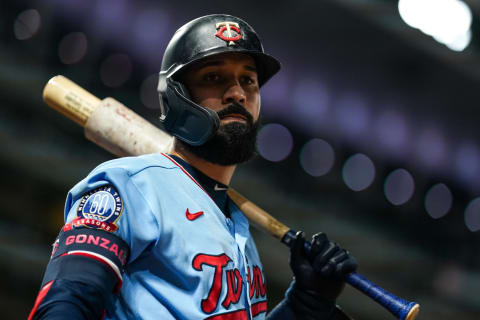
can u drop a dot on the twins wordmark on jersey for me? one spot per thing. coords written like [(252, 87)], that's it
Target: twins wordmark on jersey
[(231, 278)]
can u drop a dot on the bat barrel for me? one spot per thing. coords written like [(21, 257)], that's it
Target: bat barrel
[(400, 308), (70, 99)]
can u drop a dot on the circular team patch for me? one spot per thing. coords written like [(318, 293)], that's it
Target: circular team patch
[(102, 204)]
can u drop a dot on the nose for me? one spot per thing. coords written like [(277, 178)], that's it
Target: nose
[(234, 94)]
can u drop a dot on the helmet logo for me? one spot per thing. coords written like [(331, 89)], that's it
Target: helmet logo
[(232, 31)]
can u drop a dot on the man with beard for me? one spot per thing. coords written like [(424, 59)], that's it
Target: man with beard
[(156, 236)]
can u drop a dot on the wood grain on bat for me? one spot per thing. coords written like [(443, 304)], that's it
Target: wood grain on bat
[(123, 132), (258, 216), (107, 122), (70, 99)]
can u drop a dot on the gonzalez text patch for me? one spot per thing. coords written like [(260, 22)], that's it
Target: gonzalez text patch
[(95, 243)]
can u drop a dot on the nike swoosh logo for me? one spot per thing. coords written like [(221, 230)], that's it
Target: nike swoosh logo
[(217, 188), (193, 216)]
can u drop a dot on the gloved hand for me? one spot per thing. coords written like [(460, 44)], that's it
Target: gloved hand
[(323, 270), (319, 277)]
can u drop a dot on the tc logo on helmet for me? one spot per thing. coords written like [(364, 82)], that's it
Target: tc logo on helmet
[(232, 31)]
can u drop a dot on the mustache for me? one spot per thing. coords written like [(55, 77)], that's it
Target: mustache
[(235, 108)]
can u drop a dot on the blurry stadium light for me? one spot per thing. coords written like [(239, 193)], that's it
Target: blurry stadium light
[(73, 47), (447, 21), (438, 201), (27, 24), (317, 157), (472, 215), (399, 187), (275, 142), (358, 172)]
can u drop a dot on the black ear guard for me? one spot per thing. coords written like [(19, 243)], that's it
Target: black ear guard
[(188, 121)]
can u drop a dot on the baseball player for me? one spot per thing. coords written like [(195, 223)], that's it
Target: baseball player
[(156, 236)]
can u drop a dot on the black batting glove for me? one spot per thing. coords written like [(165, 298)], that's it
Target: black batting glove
[(319, 276), (323, 270)]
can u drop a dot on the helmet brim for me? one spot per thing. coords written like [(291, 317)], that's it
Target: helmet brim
[(267, 66)]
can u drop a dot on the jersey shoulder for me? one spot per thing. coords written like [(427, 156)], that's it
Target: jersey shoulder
[(134, 165), (119, 196), (123, 175)]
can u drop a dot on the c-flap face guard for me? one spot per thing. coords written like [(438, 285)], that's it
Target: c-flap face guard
[(188, 121)]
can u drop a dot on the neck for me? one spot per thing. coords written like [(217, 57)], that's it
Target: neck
[(217, 172)]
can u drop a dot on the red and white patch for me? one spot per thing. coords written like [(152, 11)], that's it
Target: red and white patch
[(229, 32), (90, 223)]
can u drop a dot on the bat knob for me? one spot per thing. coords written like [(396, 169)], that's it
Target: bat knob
[(412, 314)]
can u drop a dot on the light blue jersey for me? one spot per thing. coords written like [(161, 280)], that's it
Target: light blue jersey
[(187, 259)]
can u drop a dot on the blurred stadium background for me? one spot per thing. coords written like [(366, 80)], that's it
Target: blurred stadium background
[(371, 133)]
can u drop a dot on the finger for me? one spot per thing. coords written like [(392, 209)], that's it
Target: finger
[(319, 241), (339, 256), (297, 251), (321, 263), (348, 265), (333, 265)]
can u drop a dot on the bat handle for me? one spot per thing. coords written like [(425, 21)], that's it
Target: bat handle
[(400, 308)]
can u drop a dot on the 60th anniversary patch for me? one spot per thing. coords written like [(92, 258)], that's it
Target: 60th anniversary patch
[(102, 204)]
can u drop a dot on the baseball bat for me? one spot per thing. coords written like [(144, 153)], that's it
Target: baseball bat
[(118, 129)]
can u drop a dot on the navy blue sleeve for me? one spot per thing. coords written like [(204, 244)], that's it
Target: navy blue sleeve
[(84, 271)]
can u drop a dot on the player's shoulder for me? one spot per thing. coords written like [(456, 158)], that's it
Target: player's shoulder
[(120, 174), (134, 165)]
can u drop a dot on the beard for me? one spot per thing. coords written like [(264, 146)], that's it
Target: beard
[(232, 143)]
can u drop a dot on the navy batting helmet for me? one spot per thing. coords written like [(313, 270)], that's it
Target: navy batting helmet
[(198, 39)]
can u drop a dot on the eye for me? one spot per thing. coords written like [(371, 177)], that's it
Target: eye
[(211, 77), (249, 80)]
